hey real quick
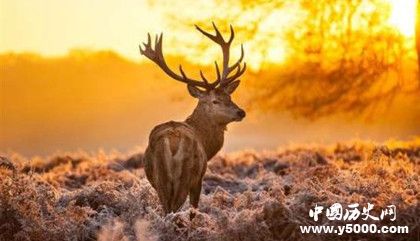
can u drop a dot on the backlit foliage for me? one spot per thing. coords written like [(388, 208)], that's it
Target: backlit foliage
[(324, 57)]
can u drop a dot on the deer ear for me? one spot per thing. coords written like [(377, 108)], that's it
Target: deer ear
[(194, 91), (231, 87)]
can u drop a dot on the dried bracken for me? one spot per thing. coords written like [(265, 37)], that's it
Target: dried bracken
[(246, 196)]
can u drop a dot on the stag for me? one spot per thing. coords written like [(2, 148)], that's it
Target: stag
[(177, 153)]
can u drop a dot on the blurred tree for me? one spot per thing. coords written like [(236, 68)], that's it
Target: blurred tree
[(247, 17), (418, 36), (342, 56)]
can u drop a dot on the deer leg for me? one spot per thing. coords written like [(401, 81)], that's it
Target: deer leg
[(164, 189), (163, 178), (181, 193), (195, 194), (179, 174), (180, 196), (195, 198), (179, 199), (184, 162), (163, 201), (195, 190)]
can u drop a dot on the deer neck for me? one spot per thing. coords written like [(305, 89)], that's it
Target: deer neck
[(210, 133)]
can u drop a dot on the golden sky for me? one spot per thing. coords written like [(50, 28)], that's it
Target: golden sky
[(52, 27)]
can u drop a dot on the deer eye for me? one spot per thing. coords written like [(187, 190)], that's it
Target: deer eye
[(216, 102)]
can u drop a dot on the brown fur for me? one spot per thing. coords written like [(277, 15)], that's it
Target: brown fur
[(177, 154), (174, 154), (211, 135)]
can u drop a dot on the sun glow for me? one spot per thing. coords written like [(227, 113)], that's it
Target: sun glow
[(48, 28), (403, 15)]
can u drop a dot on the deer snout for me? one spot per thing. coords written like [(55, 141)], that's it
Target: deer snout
[(241, 113)]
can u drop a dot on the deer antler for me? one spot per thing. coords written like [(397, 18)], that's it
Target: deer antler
[(225, 45), (156, 56), (222, 80)]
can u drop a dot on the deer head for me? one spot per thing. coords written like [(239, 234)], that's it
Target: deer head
[(214, 96)]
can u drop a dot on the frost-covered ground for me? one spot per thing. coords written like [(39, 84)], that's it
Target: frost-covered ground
[(245, 196)]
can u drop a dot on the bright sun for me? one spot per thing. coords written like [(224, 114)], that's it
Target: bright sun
[(403, 15)]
